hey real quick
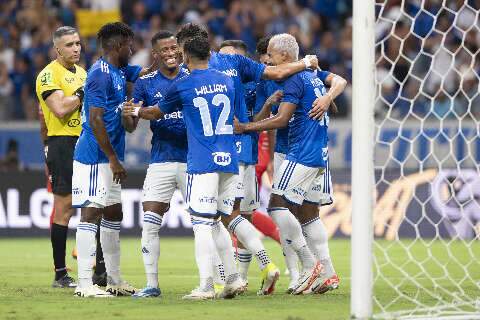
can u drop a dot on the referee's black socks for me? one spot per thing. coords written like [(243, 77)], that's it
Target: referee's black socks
[(58, 236)]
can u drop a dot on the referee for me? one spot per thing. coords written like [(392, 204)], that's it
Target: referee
[(59, 89)]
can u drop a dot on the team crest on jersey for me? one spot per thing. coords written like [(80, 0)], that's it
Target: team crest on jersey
[(222, 158), (238, 144)]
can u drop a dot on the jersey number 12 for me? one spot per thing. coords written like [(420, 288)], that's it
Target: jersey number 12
[(222, 127)]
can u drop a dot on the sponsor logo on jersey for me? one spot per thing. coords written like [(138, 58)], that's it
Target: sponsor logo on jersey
[(173, 115), (158, 95), (72, 123), (222, 158)]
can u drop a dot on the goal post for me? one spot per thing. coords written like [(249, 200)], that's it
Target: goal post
[(415, 251), (363, 100)]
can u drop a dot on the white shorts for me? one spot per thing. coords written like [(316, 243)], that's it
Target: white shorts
[(93, 186), (162, 180), (277, 161), (326, 198), (211, 194), (297, 183), (247, 189)]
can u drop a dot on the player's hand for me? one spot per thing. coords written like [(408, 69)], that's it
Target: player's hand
[(119, 173), (313, 61), (319, 107), (238, 127), (131, 109), (275, 98)]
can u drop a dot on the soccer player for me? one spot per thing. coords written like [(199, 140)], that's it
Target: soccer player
[(300, 176), (248, 188), (97, 168), (59, 88), (206, 98), (167, 169), (243, 70)]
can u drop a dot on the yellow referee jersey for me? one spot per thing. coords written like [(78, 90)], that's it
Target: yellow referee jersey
[(56, 77)]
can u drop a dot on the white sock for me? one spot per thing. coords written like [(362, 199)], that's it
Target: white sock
[(86, 249), (110, 241), (218, 269), (243, 261), (248, 236), (317, 239), (223, 242), (292, 230), (151, 246), (291, 258), (204, 248)]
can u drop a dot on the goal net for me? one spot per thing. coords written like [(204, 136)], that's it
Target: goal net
[(426, 217)]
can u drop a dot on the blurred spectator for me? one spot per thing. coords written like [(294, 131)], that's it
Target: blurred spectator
[(6, 90), (424, 47), (10, 161)]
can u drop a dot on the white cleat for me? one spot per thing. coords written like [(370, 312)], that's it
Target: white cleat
[(292, 285), (308, 278), (198, 294), (92, 291), (121, 289), (232, 289)]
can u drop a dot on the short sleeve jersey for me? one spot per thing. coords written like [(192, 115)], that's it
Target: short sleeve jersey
[(105, 88), (242, 70), (307, 138), (56, 77), (169, 139), (206, 98)]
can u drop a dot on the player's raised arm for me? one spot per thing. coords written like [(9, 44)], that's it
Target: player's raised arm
[(321, 104), (266, 110), (285, 70)]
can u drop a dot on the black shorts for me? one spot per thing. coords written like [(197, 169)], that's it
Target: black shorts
[(60, 163)]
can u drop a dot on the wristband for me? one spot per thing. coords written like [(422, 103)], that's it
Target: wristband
[(135, 111), (307, 62)]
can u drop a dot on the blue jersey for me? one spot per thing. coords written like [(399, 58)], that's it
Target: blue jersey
[(206, 98), (169, 139), (307, 138), (105, 88), (252, 110), (264, 90), (241, 70)]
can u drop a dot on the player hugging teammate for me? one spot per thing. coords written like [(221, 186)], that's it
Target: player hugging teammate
[(192, 98)]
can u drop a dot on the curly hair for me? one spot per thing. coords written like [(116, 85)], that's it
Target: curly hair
[(189, 31), (110, 31)]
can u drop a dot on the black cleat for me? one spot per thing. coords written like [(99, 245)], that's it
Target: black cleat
[(100, 279), (64, 282)]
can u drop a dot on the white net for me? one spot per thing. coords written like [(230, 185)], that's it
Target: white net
[(427, 156)]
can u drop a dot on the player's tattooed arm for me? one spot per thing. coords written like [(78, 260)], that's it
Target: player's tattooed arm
[(266, 110), (129, 122), (280, 120), (98, 128), (322, 104), (287, 69)]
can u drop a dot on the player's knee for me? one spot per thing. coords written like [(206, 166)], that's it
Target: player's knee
[(113, 212), (159, 208), (90, 215)]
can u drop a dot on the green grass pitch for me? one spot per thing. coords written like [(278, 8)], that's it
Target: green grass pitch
[(26, 276)]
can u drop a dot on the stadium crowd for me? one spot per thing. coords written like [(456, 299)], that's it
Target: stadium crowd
[(322, 27), (26, 27)]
